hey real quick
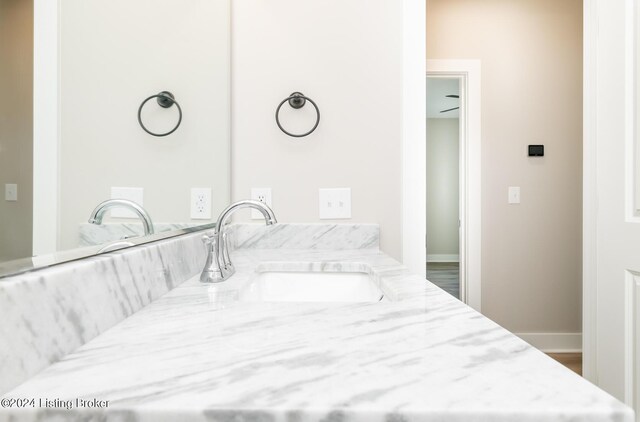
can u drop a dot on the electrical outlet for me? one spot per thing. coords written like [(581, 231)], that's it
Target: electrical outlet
[(335, 203), (132, 194), (201, 203), (263, 195), (10, 192)]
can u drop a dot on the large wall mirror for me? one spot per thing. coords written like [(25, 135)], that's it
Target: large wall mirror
[(80, 141)]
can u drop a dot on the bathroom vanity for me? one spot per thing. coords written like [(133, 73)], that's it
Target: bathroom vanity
[(241, 351)]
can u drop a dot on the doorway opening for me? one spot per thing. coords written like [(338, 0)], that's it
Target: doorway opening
[(443, 183), (16, 130), (466, 74)]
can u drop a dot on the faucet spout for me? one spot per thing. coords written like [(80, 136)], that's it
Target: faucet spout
[(219, 267), (98, 213)]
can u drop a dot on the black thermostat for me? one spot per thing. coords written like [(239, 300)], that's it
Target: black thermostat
[(536, 150)]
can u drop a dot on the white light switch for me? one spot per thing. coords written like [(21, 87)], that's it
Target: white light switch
[(262, 195), (514, 194), (10, 192), (132, 194), (335, 203)]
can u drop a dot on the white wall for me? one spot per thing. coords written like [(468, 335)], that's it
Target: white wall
[(443, 188), (16, 122), (113, 55), (531, 53), (346, 56)]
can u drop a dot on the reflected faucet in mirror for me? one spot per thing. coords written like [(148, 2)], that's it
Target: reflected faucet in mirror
[(116, 246), (218, 266), (99, 212)]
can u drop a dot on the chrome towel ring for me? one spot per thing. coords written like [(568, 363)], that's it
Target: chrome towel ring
[(165, 100), (297, 100)]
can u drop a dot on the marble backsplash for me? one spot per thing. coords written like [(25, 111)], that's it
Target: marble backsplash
[(306, 236), (255, 235), (50, 312)]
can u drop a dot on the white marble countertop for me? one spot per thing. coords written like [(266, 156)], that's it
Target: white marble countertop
[(197, 355)]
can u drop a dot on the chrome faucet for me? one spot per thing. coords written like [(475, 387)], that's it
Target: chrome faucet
[(219, 267), (103, 207)]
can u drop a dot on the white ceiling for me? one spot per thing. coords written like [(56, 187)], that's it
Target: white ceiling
[(437, 90)]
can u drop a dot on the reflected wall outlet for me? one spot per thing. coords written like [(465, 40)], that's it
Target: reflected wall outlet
[(10, 192), (262, 195), (335, 203), (201, 203), (132, 194)]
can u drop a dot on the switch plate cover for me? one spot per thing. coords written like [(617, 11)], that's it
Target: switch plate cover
[(10, 192), (514, 194), (335, 203)]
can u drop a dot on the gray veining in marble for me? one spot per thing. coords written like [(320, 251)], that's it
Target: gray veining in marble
[(306, 236), (196, 354), (47, 314)]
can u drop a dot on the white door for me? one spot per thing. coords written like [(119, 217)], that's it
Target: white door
[(612, 204)]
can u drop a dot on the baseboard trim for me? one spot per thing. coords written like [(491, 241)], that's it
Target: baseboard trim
[(443, 258), (554, 342)]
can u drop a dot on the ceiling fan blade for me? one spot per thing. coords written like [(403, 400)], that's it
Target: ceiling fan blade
[(452, 96), (449, 109)]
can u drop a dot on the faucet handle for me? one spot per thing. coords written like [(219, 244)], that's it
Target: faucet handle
[(212, 272), (209, 240)]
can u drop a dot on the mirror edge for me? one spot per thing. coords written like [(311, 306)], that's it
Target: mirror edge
[(25, 265)]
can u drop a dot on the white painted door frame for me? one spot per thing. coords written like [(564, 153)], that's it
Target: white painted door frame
[(414, 158), (468, 73), (589, 195), (46, 126)]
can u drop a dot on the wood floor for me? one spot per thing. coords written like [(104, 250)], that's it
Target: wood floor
[(445, 275), (572, 361)]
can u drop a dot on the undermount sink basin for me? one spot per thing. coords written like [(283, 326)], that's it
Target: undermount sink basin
[(279, 286)]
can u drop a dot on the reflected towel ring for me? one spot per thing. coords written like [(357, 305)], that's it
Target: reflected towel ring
[(165, 100), (297, 100)]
